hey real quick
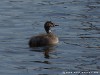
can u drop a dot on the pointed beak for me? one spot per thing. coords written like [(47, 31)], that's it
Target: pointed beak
[(56, 25), (53, 25)]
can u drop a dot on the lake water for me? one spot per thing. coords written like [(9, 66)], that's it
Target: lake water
[(78, 32)]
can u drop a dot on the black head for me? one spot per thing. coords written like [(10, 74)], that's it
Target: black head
[(48, 26)]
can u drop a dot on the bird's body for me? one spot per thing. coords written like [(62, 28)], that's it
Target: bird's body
[(43, 40), (46, 39)]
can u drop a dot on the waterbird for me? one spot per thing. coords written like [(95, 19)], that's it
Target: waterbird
[(46, 39)]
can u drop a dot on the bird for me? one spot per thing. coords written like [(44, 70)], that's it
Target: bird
[(46, 39)]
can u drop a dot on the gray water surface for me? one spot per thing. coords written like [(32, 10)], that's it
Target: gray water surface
[(78, 32)]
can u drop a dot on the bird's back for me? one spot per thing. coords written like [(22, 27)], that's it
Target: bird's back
[(43, 40)]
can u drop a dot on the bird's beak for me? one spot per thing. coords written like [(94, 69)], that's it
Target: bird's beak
[(56, 25)]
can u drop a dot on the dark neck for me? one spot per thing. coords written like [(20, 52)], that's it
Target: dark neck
[(47, 30)]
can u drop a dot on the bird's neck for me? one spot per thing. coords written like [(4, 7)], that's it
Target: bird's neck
[(49, 31)]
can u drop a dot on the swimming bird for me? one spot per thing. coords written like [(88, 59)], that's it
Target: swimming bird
[(46, 39)]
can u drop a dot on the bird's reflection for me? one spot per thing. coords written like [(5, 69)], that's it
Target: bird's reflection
[(46, 50)]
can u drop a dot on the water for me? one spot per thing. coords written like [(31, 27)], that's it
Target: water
[(79, 34)]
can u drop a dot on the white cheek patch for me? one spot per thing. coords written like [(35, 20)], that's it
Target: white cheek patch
[(49, 30)]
